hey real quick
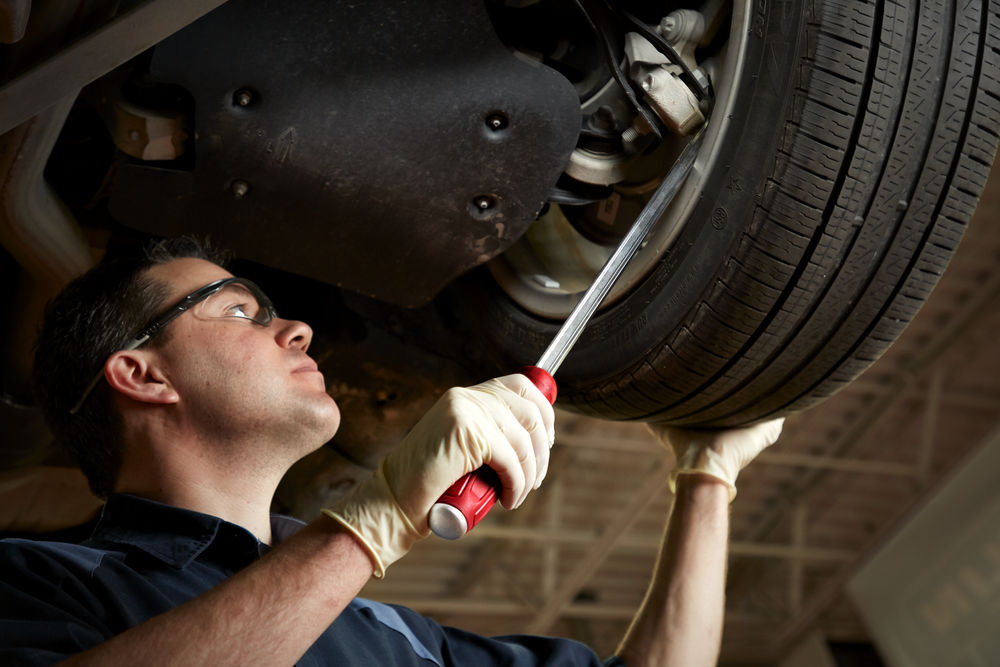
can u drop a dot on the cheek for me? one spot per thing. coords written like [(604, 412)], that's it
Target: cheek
[(242, 371), (227, 364)]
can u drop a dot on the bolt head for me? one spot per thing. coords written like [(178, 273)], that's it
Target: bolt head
[(243, 97), (240, 189), (667, 25)]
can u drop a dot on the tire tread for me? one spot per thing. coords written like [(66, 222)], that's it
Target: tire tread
[(811, 295)]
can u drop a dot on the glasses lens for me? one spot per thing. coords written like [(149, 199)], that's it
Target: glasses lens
[(235, 300)]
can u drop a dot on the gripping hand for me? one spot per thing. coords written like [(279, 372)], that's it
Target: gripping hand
[(505, 423)]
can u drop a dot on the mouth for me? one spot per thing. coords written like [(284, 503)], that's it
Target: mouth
[(308, 366)]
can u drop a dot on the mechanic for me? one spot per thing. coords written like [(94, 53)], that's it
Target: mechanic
[(187, 428)]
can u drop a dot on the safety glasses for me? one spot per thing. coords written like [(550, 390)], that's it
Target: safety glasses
[(223, 299)]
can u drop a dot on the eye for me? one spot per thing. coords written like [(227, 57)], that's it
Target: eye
[(232, 301), (237, 310)]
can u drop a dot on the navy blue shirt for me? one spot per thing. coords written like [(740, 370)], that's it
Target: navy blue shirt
[(146, 558)]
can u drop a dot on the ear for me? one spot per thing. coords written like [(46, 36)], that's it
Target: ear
[(134, 374)]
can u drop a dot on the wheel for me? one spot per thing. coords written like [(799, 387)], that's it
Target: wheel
[(847, 150)]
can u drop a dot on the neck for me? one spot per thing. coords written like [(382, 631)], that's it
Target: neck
[(252, 513), (234, 488)]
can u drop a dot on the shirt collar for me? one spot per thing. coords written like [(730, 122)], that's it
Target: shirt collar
[(178, 536)]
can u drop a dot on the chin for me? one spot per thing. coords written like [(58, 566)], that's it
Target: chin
[(331, 420), (334, 426)]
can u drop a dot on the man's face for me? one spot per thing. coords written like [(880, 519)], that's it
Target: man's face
[(240, 382)]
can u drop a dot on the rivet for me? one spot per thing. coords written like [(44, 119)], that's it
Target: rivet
[(484, 202), (240, 189), (497, 121)]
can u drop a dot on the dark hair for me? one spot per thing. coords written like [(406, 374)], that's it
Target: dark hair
[(93, 317)]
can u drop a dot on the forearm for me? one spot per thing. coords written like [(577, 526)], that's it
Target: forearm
[(680, 621), (268, 614)]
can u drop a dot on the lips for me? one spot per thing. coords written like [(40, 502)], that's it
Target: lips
[(309, 366)]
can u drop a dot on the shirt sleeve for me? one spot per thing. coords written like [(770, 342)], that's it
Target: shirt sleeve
[(46, 612), (520, 650), (440, 645)]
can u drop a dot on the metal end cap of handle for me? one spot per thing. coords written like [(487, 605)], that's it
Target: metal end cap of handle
[(447, 522)]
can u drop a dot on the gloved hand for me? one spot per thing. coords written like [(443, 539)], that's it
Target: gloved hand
[(505, 423), (720, 454)]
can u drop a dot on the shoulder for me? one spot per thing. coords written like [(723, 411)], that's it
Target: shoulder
[(21, 555), (47, 608)]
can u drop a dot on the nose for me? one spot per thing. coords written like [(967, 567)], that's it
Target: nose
[(292, 334)]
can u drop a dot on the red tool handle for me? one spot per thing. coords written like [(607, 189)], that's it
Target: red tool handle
[(541, 379), (468, 500)]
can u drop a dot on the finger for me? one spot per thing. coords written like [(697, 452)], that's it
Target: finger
[(513, 456), (760, 435), (520, 441), (659, 431), (531, 414), (673, 438), (524, 387), (531, 418), (507, 461), (772, 429)]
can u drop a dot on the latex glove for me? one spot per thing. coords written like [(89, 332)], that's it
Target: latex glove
[(720, 454), (505, 423)]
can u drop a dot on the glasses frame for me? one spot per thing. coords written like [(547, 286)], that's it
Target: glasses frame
[(157, 324)]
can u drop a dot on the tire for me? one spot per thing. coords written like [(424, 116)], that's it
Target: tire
[(865, 135)]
